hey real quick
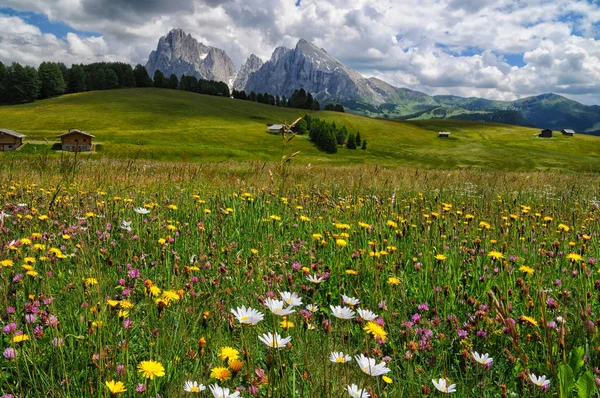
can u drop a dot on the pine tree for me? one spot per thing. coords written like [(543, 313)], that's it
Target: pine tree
[(315, 106), (309, 102), (76, 83), (364, 145), (51, 80), (328, 143), (301, 127), (358, 142), (341, 135), (32, 84), (351, 143), (111, 80), (159, 79), (141, 77), (173, 82), (2, 83)]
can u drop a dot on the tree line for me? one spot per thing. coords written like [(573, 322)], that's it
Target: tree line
[(299, 99), (327, 136), (20, 84)]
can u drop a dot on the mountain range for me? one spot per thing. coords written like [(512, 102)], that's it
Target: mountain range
[(330, 81)]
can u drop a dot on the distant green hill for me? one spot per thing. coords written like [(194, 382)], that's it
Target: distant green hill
[(173, 125), (543, 111)]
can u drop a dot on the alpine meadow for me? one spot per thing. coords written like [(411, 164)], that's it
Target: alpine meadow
[(299, 199)]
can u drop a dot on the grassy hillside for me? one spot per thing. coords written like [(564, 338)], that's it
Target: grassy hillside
[(181, 126)]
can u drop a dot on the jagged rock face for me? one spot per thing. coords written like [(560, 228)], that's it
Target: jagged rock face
[(180, 54), (311, 68), (253, 63)]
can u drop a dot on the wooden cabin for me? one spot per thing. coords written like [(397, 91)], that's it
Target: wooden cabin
[(547, 133), (10, 140), (568, 132), (76, 141), (275, 128), (444, 134)]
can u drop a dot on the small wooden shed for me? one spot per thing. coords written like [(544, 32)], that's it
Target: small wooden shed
[(275, 128), (547, 133), (568, 132), (444, 134), (10, 140), (76, 141)]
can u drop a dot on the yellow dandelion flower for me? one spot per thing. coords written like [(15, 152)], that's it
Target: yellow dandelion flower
[(440, 257), (376, 330), (115, 387), (227, 353), (495, 255), (91, 281), (526, 269), (529, 320), (235, 365), (341, 243), (574, 257), (393, 281), (151, 369), (20, 338), (220, 373)]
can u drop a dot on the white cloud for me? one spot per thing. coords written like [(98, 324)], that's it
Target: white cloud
[(437, 46)]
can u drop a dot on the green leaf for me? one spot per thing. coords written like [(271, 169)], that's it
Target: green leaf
[(576, 359), (566, 380), (586, 385)]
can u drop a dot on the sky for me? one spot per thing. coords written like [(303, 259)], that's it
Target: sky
[(497, 49)]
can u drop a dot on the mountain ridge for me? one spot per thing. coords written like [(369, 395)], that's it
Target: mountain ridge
[(329, 80)]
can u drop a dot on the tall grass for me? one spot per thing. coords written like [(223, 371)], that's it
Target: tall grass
[(451, 262)]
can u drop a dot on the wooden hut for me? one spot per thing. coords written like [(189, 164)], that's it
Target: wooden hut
[(76, 141), (275, 128), (568, 132), (444, 134), (547, 133), (10, 140)]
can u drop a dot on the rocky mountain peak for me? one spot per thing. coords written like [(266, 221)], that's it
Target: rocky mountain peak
[(181, 54), (252, 64)]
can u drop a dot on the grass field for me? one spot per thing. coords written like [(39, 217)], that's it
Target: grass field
[(171, 125), (129, 276)]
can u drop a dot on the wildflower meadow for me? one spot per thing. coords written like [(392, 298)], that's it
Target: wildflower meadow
[(174, 282)]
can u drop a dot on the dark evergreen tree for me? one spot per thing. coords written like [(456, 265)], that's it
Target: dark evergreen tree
[(173, 82), (315, 106), (2, 83), (77, 79), (283, 101), (328, 142), (141, 76), (339, 108), (21, 84), (358, 141), (277, 100), (364, 145), (300, 127), (341, 135), (52, 83), (260, 98), (159, 79), (64, 72), (252, 96), (308, 120), (309, 101), (111, 80), (351, 143)]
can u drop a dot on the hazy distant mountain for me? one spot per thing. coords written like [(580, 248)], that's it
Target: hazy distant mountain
[(181, 54), (312, 68)]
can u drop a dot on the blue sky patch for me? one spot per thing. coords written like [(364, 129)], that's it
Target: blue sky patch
[(56, 28)]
